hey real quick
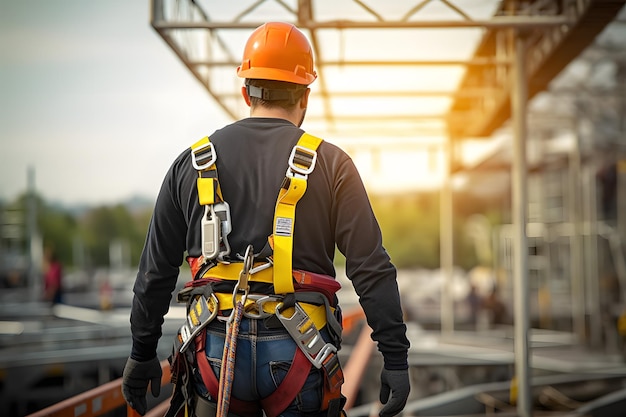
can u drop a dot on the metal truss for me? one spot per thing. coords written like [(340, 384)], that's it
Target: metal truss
[(208, 37)]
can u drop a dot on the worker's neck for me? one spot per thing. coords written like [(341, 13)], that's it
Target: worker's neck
[(276, 113)]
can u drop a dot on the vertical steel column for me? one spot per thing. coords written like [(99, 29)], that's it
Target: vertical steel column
[(590, 232), (577, 255), (156, 10), (620, 78), (577, 281), (446, 240), (34, 240), (520, 245)]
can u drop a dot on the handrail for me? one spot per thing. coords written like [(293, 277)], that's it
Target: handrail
[(108, 397), (97, 401)]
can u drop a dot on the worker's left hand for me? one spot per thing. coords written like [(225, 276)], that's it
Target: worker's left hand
[(394, 391), (135, 382)]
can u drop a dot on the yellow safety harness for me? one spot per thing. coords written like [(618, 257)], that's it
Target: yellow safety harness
[(216, 220), (301, 164), (216, 226), (303, 318)]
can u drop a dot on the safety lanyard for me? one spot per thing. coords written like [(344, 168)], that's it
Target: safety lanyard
[(216, 220)]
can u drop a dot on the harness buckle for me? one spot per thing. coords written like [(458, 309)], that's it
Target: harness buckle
[(210, 233), (261, 267), (301, 161), (200, 314), (203, 156), (222, 211), (259, 304), (307, 337)]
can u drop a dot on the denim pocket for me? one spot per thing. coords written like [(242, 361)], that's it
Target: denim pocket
[(309, 399), (216, 366)]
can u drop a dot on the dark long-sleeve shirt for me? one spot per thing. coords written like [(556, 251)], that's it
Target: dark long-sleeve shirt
[(252, 157)]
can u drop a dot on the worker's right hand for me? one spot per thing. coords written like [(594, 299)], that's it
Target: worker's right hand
[(394, 391), (135, 382)]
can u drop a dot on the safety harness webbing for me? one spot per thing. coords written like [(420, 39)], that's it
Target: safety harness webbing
[(301, 164), (203, 161), (215, 227)]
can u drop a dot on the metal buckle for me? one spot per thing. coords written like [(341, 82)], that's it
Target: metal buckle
[(307, 337), (210, 233), (297, 169), (198, 150), (222, 211), (261, 267), (199, 316), (259, 302)]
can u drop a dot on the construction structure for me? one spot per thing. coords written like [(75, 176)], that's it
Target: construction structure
[(435, 74), (521, 47)]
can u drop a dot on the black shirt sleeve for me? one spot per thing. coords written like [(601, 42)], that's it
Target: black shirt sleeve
[(369, 267), (159, 267)]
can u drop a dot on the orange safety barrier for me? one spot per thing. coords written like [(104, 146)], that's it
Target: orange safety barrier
[(355, 367), (97, 401), (108, 397)]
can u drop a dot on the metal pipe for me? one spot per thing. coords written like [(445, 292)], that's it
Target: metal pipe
[(35, 250), (590, 230), (363, 63), (516, 22), (519, 97), (576, 241), (465, 93), (446, 242)]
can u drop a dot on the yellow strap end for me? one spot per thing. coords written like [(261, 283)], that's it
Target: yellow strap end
[(206, 191)]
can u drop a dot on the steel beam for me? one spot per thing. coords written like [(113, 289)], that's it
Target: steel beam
[(502, 22), (175, 20), (520, 240), (410, 63), (551, 50)]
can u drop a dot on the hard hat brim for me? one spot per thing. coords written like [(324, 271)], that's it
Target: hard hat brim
[(275, 74)]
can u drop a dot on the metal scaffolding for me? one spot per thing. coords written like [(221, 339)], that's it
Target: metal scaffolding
[(522, 46)]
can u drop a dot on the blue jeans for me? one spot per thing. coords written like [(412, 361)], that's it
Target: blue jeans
[(262, 359)]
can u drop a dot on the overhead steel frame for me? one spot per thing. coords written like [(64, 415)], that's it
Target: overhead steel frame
[(539, 37)]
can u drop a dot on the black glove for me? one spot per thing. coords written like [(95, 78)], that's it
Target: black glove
[(396, 383), (135, 382)]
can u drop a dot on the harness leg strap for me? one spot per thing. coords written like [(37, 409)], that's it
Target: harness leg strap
[(284, 395), (273, 404)]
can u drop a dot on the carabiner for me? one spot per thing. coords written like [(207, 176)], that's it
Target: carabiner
[(242, 283)]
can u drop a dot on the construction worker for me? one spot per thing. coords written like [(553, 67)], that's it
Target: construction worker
[(218, 204)]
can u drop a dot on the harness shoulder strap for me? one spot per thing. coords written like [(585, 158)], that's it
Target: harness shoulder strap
[(203, 157), (215, 224), (301, 164)]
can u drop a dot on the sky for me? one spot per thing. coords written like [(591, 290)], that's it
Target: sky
[(93, 100), (98, 105)]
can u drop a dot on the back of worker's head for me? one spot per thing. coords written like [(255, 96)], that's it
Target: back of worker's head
[(277, 65)]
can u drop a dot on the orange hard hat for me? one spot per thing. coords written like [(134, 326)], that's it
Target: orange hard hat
[(278, 51)]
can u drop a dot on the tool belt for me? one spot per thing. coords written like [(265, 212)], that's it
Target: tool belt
[(303, 314)]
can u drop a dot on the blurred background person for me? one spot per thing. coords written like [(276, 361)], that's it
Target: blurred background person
[(52, 277)]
